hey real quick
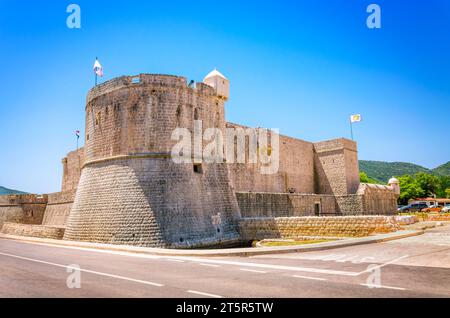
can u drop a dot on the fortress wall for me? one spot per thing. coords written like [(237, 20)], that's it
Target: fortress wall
[(25, 209), (370, 199), (155, 203), (125, 118), (72, 169), (378, 199), (130, 190), (298, 227), (336, 167), (296, 169), (284, 204), (351, 205), (58, 208)]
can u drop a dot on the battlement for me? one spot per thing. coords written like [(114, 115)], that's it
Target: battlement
[(18, 199), (334, 145), (161, 80)]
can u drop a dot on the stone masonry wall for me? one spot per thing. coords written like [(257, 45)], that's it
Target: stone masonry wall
[(58, 208), (284, 204), (72, 169), (155, 203), (32, 231), (296, 227), (26, 209), (378, 199), (336, 167), (124, 118), (295, 173)]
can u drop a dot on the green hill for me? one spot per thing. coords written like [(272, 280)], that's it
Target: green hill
[(6, 191), (383, 171), (443, 170)]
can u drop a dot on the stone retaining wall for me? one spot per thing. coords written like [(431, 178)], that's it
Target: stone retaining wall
[(26, 209), (294, 227), (33, 231), (58, 208)]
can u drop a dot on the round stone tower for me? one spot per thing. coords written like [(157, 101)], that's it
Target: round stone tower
[(131, 191)]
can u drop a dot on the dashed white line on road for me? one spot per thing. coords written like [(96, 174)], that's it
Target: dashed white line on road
[(381, 286), (208, 265), (204, 294), (252, 271), (85, 270), (307, 277)]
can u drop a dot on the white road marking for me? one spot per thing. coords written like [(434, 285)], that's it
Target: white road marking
[(175, 260), (92, 249), (85, 270), (381, 286), (252, 271), (204, 294), (371, 269), (311, 278), (208, 265), (270, 266)]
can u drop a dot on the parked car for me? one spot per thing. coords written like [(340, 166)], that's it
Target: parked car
[(433, 208), (446, 208), (415, 207)]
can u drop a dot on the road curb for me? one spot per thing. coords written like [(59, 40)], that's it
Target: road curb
[(222, 252)]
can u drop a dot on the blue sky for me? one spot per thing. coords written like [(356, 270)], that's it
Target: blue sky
[(300, 66)]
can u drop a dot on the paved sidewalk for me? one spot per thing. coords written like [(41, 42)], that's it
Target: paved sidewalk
[(225, 252)]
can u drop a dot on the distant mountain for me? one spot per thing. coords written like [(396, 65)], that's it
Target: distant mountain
[(5, 191), (383, 171), (443, 170)]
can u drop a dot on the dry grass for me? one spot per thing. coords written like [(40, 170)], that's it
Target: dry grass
[(292, 243)]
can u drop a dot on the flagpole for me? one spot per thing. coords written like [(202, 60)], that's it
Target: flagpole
[(96, 59), (351, 128)]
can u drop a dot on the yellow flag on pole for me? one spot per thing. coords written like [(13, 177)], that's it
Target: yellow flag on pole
[(355, 118)]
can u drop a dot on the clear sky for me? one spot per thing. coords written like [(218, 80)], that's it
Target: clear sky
[(300, 66)]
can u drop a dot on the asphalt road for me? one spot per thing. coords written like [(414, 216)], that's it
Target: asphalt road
[(411, 267)]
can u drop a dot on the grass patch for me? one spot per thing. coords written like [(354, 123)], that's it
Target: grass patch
[(292, 243)]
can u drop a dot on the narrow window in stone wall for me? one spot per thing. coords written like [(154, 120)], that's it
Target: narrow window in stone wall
[(97, 119), (196, 114), (217, 119), (198, 168), (178, 115), (317, 209)]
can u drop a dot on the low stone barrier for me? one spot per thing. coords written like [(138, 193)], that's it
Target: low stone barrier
[(439, 217), (294, 227), (406, 219), (33, 231)]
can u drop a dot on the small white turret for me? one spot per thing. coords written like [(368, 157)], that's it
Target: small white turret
[(395, 185), (219, 82)]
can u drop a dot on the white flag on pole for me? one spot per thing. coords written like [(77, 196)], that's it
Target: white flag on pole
[(98, 68)]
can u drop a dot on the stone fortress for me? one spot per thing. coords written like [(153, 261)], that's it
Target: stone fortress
[(124, 188)]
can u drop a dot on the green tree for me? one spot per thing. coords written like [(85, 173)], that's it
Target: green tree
[(444, 186), (364, 178), (431, 185), (409, 189)]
